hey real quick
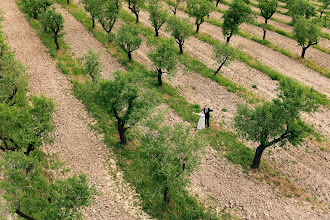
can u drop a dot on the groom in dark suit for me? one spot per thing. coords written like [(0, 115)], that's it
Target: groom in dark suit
[(207, 115)]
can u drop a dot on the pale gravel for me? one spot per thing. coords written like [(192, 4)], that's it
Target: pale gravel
[(75, 143)]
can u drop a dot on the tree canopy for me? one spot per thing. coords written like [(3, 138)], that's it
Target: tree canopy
[(123, 100), (93, 7), (135, 6), (91, 61), (170, 155), (199, 9), (36, 7), (181, 29), (53, 24), (175, 4), (238, 13), (301, 8), (306, 32), (267, 9), (276, 122), (223, 54), (158, 15), (163, 56), (108, 14), (128, 37)]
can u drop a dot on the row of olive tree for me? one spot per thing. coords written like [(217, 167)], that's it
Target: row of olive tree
[(28, 184)]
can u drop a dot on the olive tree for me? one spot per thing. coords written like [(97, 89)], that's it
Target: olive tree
[(267, 9), (93, 7), (170, 156), (108, 14), (199, 9), (175, 4), (238, 13), (325, 4), (92, 64), (135, 6), (33, 192), (123, 100), (128, 37), (26, 126), (158, 15), (306, 32), (277, 122), (53, 24), (223, 54), (36, 7), (181, 29), (301, 8), (163, 56)]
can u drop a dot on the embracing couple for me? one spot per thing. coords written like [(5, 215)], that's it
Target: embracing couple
[(204, 118)]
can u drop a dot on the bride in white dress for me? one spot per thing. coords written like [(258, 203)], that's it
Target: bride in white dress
[(201, 122)]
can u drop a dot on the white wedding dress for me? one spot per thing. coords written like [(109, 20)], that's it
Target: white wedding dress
[(201, 122)]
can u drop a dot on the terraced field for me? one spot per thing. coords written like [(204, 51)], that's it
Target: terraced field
[(223, 187)]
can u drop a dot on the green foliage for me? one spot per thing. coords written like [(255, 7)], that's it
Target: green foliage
[(52, 23), (123, 100), (306, 31), (108, 14), (180, 28), (26, 127), (135, 6), (158, 15), (163, 56), (301, 8), (278, 121), (237, 14), (267, 8), (199, 9), (175, 4), (93, 7), (128, 37), (30, 188), (36, 7), (92, 65), (223, 54), (170, 155), (325, 4)]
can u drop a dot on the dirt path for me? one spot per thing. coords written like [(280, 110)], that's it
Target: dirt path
[(75, 143), (225, 186), (197, 89), (281, 41), (76, 37)]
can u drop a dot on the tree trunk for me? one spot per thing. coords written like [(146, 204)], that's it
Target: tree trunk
[(197, 27), (303, 52), (93, 22), (256, 161), (68, 1), (21, 214), (217, 71), (264, 36), (166, 192), (129, 53), (321, 13), (228, 39), (56, 42), (216, 5), (159, 73), (122, 134), (156, 30), (29, 149), (181, 47)]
